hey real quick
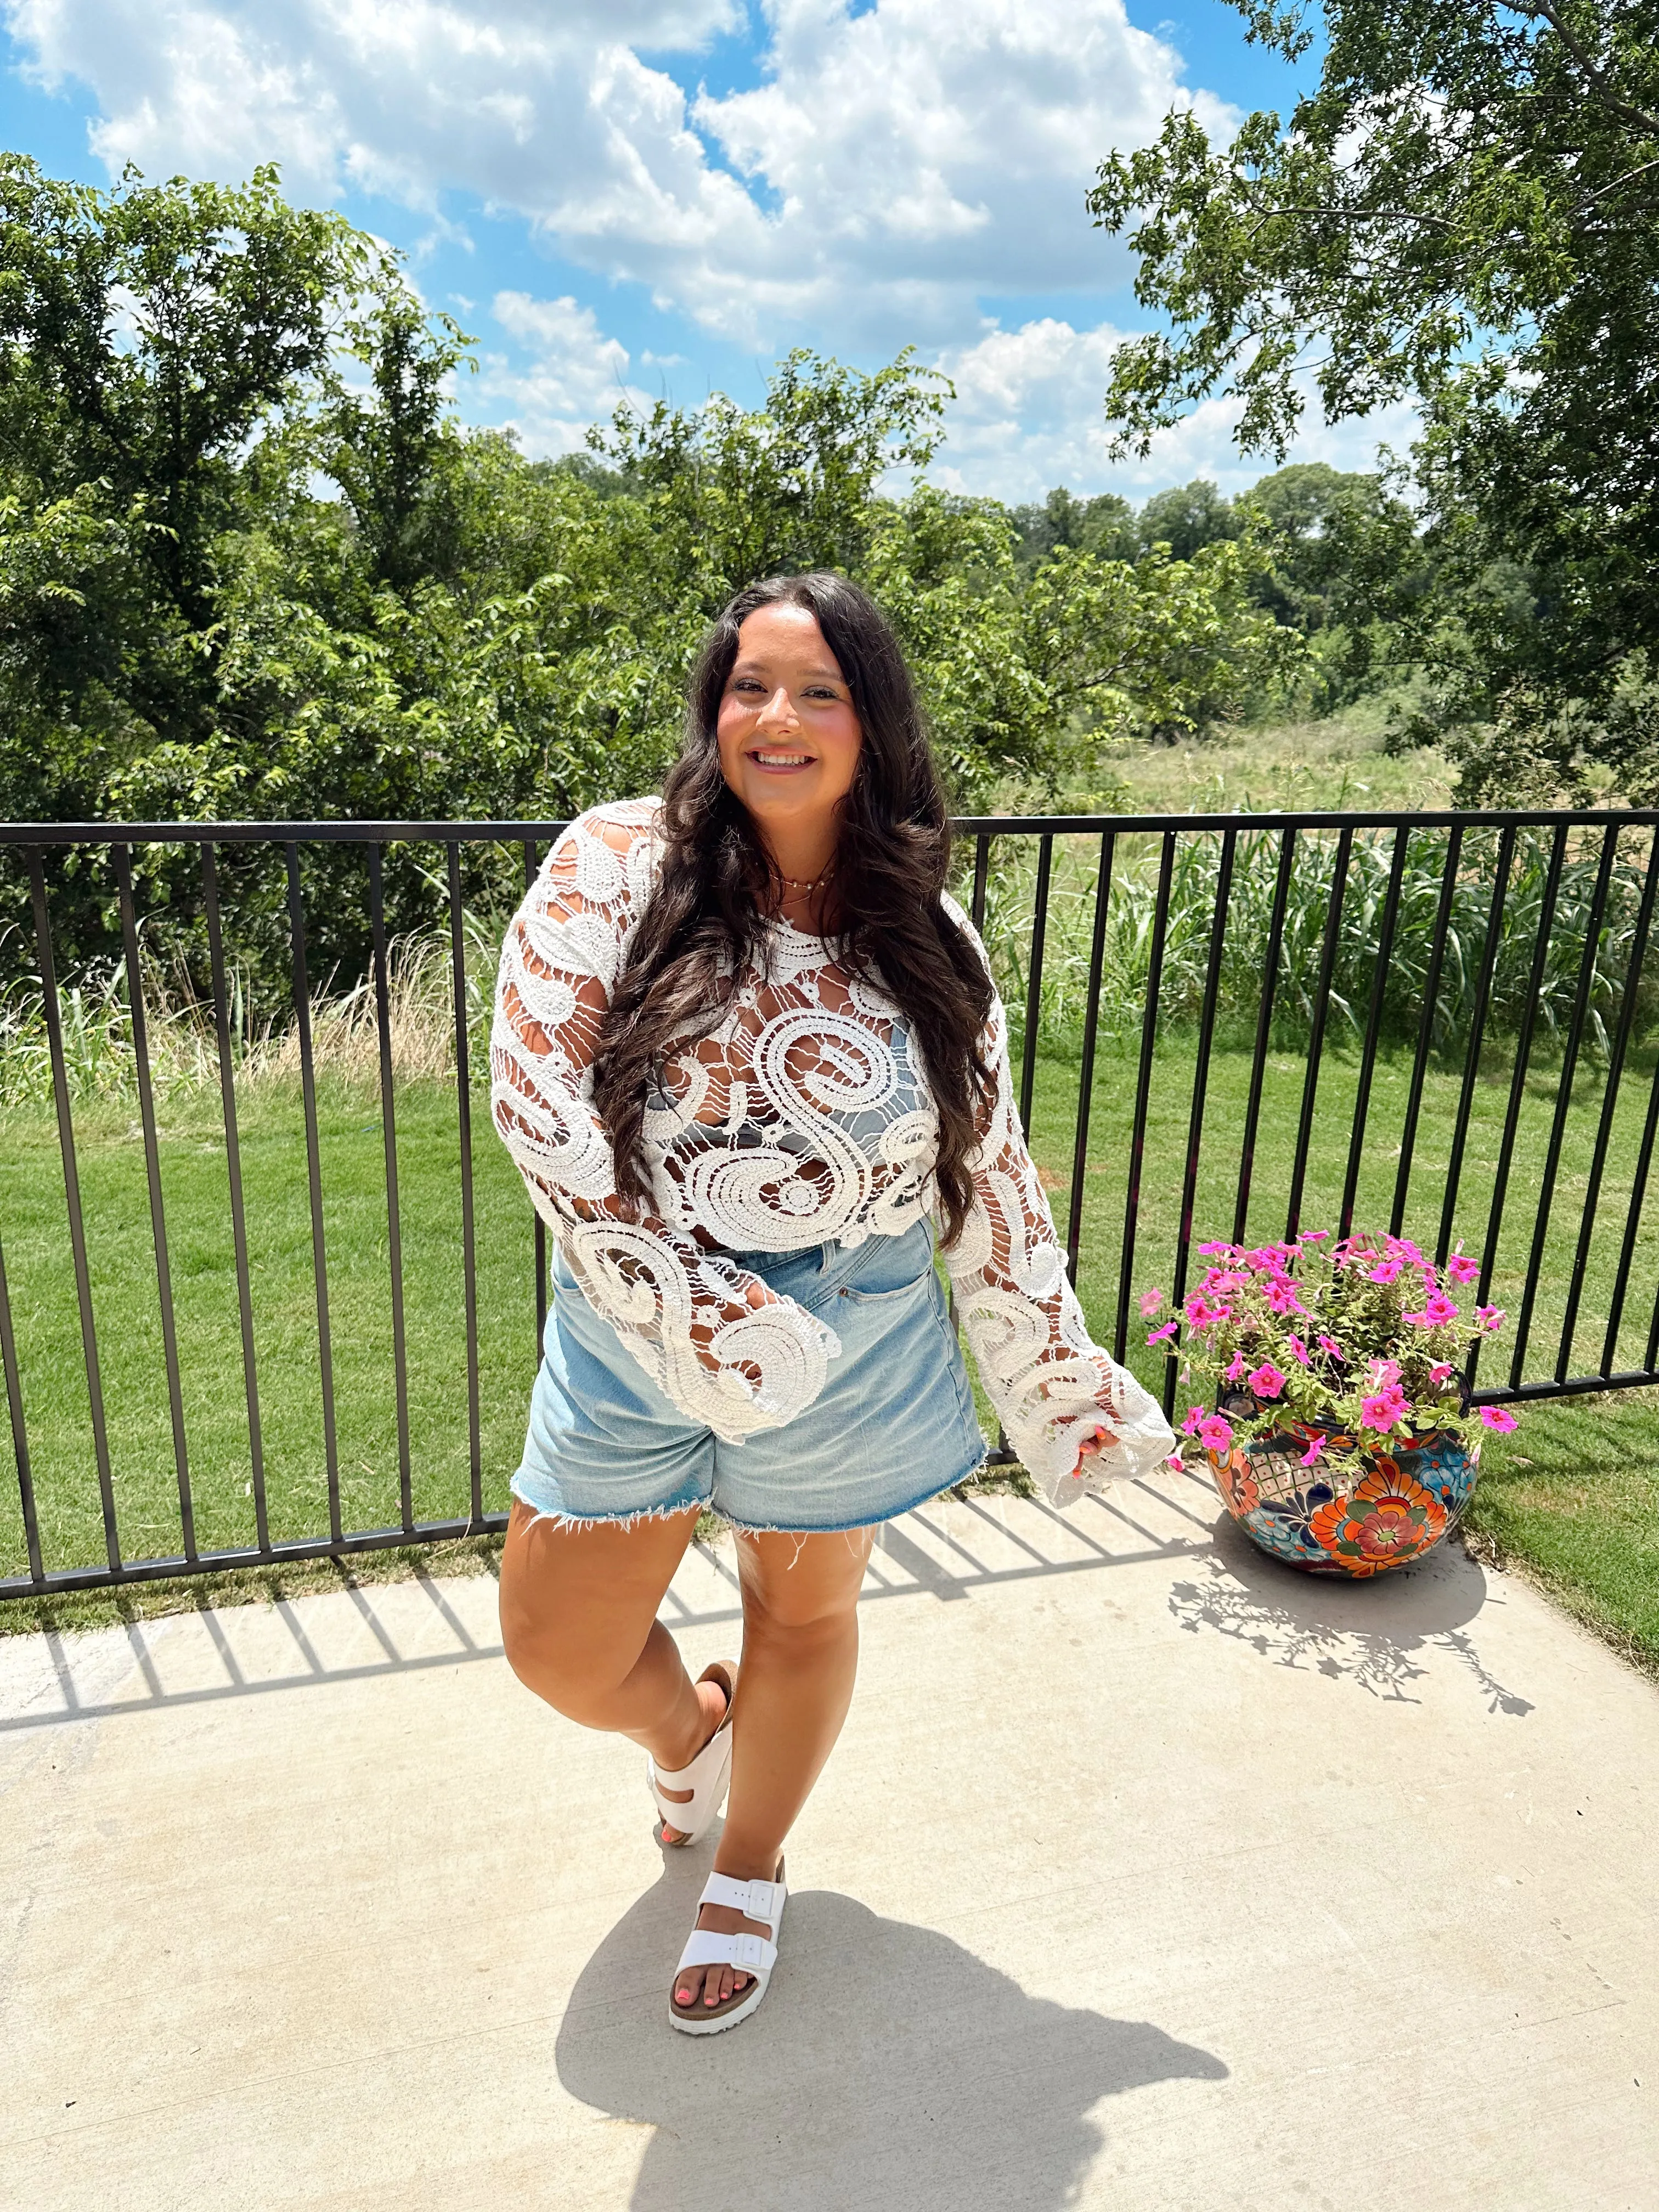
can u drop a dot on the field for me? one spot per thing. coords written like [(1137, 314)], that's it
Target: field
[(1574, 1497)]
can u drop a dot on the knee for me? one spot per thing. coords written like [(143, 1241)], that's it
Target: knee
[(803, 1613), (573, 1673)]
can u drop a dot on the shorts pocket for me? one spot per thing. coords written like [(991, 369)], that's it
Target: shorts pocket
[(858, 1295)]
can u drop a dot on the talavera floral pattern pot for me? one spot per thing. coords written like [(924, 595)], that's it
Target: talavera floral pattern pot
[(1358, 1518)]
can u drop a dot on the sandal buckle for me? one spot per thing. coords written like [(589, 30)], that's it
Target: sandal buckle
[(746, 1953)]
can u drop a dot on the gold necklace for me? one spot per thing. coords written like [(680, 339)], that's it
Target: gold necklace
[(793, 883)]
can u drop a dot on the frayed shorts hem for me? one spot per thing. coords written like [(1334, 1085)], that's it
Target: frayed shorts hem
[(562, 1518)]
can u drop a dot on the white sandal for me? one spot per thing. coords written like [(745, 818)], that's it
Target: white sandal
[(749, 1954), (706, 1778)]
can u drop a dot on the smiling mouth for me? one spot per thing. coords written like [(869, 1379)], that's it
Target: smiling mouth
[(772, 759)]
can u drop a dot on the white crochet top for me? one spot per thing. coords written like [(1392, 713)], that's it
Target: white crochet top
[(804, 1118)]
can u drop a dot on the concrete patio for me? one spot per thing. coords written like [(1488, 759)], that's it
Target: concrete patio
[(1147, 1874)]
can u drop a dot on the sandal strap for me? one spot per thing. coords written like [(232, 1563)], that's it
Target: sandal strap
[(706, 1947), (756, 1900)]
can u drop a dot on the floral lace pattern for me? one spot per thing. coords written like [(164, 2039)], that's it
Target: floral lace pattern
[(804, 1118)]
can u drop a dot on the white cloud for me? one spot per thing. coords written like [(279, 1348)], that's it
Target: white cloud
[(893, 166), (575, 374), (894, 169), (1030, 414)]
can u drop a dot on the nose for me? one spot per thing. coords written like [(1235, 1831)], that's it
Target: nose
[(779, 711)]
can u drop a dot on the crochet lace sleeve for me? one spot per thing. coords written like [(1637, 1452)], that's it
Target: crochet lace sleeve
[(727, 1349), (1049, 1384)]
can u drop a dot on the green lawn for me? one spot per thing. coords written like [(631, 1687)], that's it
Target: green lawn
[(1573, 1495)]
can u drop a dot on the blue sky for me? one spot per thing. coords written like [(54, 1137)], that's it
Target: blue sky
[(644, 196)]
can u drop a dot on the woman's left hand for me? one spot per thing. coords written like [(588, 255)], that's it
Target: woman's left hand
[(1095, 1442)]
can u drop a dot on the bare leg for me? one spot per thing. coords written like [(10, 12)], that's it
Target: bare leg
[(580, 1627), (800, 1649)]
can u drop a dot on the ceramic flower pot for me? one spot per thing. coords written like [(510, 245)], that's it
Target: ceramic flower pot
[(1385, 1508)]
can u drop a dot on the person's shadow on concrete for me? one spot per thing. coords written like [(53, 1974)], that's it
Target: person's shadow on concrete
[(887, 2068)]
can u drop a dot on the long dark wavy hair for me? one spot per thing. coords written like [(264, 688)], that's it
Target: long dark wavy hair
[(704, 920)]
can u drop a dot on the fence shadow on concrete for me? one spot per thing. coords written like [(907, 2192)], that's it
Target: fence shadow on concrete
[(889, 2066)]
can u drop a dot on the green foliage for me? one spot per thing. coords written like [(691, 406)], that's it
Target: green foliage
[(1462, 213), (1187, 517), (251, 567)]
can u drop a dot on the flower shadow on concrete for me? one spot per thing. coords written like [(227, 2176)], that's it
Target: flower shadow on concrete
[(1381, 1634), (888, 2066)]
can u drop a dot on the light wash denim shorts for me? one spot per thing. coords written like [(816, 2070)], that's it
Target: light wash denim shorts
[(893, 1424)]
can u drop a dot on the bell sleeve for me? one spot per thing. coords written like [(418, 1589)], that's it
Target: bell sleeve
[(1050, 1383)]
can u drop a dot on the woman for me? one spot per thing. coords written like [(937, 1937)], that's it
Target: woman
[(745, 1052)]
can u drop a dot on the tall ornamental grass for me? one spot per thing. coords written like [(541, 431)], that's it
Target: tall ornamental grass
[(1131, 913)]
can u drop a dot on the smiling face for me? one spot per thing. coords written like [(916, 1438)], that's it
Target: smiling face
[(789, 738)]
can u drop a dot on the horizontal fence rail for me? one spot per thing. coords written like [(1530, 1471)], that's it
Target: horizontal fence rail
[(265, 1296)]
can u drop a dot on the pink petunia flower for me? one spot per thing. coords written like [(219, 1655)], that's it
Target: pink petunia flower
[(1200, 1314), (1386, 1270), (1236, 1372), (1498, 1417), (1489, 1316), (1314, 1452), (1441, 1373), (1387, 1409), (1298, 1350), (1283, 1299), (1266, 1381), (1212, 1251), (1382, 1374), (1215, 1434), (1193, 1421), (1313, 1236), (1332, 1349), (1158, 1334), (1150, 1302), (1461, 1269), (1176, 1460)]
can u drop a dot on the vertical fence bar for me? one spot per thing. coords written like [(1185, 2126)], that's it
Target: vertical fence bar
[(1034, 984), (238, 1210), (1362, 1099), (1633, 1215), (72, 1198), (540, 1228), (1223, 884), (1085, 1085), (20, 1435), (296, 923), (158, 1227), (1264, 1025), (394, 1233), (1426, 1028), (463, 1106), (1604, 1126), (1143, 1096), (1316, 1032), (1564, 1098), (1477, 1033), (1632, 1225), (981, 872), (1518, 1078)]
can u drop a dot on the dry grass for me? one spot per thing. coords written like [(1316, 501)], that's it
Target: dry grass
[(100, 1061)]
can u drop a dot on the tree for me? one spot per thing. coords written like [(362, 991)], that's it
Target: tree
[(1185, 519), (1462, 213), (1104, 525), (1340, 546)]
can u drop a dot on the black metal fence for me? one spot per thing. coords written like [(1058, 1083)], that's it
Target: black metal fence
[(1223, 1024)]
